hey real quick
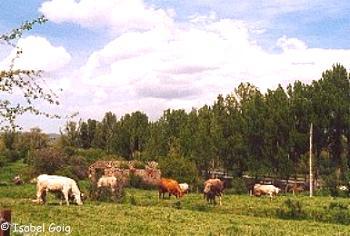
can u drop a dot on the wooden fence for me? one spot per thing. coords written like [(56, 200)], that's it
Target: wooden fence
[(5, 220)]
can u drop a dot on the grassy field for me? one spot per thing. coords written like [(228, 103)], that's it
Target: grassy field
[(141, 213)]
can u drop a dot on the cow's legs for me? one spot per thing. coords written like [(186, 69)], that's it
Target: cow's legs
[(220, 203), (65, 194)]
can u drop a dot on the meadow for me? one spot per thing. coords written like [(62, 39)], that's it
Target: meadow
[(141, 213)]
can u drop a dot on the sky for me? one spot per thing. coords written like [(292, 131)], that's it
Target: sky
[(151, 55)]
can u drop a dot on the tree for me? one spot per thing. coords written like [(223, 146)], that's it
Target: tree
[(84, 139), (70, 134), (23, 81)]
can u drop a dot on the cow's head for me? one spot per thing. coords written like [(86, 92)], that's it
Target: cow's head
[(277, 190), (207, 188)]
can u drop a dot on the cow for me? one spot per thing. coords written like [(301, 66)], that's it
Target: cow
[(295, 188), (169, 186), (213, 188), (184, 187), (266, 189), (109, 182), (59, 185)]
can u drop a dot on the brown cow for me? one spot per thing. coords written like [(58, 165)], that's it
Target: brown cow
[(169, 186), (213, 188), (295, 188)]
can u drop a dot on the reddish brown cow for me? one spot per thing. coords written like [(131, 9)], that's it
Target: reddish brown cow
[(169, 186), (213, 188)]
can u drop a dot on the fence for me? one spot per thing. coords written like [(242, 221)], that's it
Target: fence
[(5, 220)]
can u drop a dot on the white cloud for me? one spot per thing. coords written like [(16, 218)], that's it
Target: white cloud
[(198, 60), (177, 65), (38, 54), (290, 44), (118, 15)]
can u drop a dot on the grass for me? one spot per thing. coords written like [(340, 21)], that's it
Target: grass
[(141, 213)]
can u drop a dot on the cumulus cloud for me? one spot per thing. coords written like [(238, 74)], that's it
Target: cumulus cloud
[(38, 54), (118, 15), (156, 63), (201, 59)]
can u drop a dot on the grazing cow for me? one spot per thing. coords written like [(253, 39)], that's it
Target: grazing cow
[(57, 184), (184, 187), (295, 188), (169, 186), (110, 182), (267, 189), (213, 188)]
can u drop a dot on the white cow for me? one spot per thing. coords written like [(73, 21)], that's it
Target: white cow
[(57, 184), (184, 187), (266, 189), (108, 182)]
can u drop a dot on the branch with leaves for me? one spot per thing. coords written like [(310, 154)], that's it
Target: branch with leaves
[(29, 82)]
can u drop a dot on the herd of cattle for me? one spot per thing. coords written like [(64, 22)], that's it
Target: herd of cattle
[(67, 189)]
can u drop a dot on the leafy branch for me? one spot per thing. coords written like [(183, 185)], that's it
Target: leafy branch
[(28, 82)]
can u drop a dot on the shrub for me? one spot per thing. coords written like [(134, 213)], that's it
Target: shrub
[(238, 186), (337, 205), (179, 168), (28, 173), (2, 161), (79, 166), (69, 151), (135, 181), (48, 160), (66, 171), (291, 209), (124, 165), (110, 157), (139, 165), (91, 155), (12, 155)]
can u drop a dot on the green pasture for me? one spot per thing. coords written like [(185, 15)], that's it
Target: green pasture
[(141, 213)]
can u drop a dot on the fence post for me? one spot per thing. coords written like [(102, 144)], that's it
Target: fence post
[(5, 220)]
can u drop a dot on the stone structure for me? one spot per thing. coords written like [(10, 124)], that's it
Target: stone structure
[(149, 173)]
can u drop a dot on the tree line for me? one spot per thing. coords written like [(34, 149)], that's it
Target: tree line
[(247, 131)]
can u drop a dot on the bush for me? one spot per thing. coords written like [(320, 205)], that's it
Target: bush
[(66, 171), (2, 161), (238, 186), (28, 173), (291, 209), (139, 165), (48, 160), (135, 181), (12, 155), (79, 166), (91, 155), (69, 151), (123, 165), (179, 168)]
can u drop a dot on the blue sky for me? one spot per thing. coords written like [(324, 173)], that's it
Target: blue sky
[(126, 55)]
